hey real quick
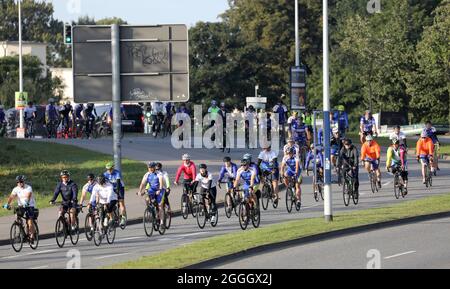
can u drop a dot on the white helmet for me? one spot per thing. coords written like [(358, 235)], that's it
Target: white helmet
[(1, 106), (335, 130), (186, 157)]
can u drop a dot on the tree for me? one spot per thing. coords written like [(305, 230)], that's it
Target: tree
[(429, 84)]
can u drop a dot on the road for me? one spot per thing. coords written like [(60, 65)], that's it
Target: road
[(424, 245), (132, 243)]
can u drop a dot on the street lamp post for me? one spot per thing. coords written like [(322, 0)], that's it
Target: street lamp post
[(21, 121), (328, 206), (297, 38)]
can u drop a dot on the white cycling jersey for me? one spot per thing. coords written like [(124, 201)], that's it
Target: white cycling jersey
[(105, 194), (21, 194)]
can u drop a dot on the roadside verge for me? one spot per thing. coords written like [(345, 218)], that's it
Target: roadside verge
[(219, 249)]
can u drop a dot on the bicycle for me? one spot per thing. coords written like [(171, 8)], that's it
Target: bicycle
[(232, 201), (89, 224), (187, 202), (204, 211), (152, 221), (246, 212), (399, 184), (20, 231), (268, 191), (317, 185), (373, 180), (101, 231), (29, 128), (428, 174), (291, 197), (63, 228), (348, 188)]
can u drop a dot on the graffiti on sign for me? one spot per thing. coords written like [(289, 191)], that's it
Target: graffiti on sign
[(148, 55)]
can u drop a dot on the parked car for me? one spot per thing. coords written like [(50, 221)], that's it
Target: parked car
[(133, 121)]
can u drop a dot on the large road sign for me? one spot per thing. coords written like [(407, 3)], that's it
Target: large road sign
[(154, 63)]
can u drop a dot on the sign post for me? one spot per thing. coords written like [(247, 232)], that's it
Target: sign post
[(298, 88)]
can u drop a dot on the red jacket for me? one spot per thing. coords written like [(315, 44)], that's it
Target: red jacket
[(190, 172)]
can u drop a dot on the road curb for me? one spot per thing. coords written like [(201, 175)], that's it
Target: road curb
[(314, 238)]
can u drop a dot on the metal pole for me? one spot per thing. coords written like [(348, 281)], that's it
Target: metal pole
[(328, 206), (297, 38), (21, 121), (116, 99)]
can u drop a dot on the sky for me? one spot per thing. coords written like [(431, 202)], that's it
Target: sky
[(147, 12)]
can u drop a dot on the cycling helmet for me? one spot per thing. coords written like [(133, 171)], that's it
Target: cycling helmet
[(51, 100), (226, 159), (222, 104), (90, 177), (186, 157), (291, 151), (152, 165), (395, 141), (369, 137), (348, 142), (64, 173), (213, 102), (247, 157), (158, 166), (245, 162), (335, 130), (109, 166), (20, 179), (1, 106), (290, 139), (203, 166), (90, 105), (101, 179), (341, 108)]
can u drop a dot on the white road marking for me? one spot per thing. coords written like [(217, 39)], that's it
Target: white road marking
[(400, 254), (40, 267), (193, 234), (130, 238), (110, 256), (29, 254), (386, 184), (313, 206)]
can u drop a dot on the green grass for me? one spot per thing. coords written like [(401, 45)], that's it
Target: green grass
[(235, 242), (382, 141), (444, 149), (42, 162)]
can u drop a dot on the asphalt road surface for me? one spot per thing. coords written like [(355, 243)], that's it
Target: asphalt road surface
[(424, 245), (132, 243)]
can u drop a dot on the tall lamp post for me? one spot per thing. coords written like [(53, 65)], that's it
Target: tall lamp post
[(328, 206), (297, 38), (21, 121)]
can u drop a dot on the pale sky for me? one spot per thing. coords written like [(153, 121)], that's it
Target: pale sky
[(147, 12)]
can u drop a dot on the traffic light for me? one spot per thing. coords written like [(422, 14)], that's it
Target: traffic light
[(68, 34)]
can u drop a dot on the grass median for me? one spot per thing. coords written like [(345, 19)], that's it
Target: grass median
[(223, 245), (42, 162)]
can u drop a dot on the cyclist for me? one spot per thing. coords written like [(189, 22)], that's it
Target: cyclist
[(155, 191), (228, 172), (340, 117), (282, 111), (213, 110), (104, 198), (291, 144), (158, 112), (254, 167), (308, 119), (87, 188), (250, 116), (78, 111), (115, 178), (399, 135), (367, 126), (2, 120), (348, 160), (208, 185), (69, 194), (89, 115), (25, 200), (431, 133), (370, 155), (424, 152), (319, 158), (29, 116), (166, 184), (290, 167), (189, 172), (396, 160), (268, 163), (51, 117), (247, 175), (66, 110), (336, 145)]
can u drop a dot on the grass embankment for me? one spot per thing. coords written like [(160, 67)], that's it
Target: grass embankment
[(444, 149), (231, 243), (42, 162)]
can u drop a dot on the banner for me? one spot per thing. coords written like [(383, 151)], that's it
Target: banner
[(21, 100), (298, 88)]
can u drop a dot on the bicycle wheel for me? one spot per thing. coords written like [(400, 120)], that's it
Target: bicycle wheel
[(98, 234), (373, 184), (346, 193), (256, 219), (396, 187), (355, 195), (111, 231), (75, 234), (275, 202), (193, 206), (228, 205), (89, 227), (60, 232), (168, 220), (289, 201), (430, 179), (148, 222), (184, 206), (16, 236), (216, 221), (162, 227), (201, 215), (266, 195), (320, 188), (35, 243), (243, 216)]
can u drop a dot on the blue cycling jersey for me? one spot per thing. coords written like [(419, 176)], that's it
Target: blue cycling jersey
[(341, 118), (113, 177), (153, 181), (228, 172), (291, 163), (368, 124), (246, 176), (431, 133), (2, 116), (299, 131), (319, 158), (51, 112)]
